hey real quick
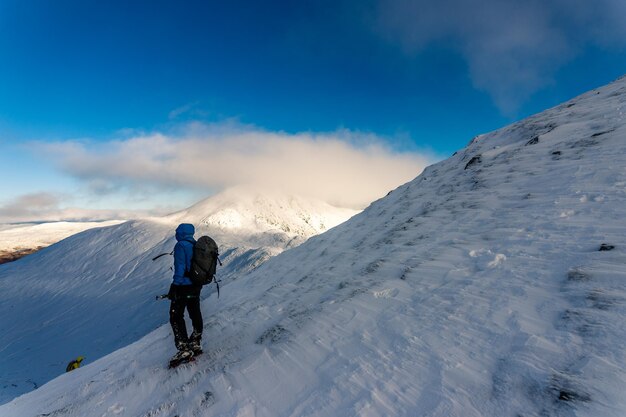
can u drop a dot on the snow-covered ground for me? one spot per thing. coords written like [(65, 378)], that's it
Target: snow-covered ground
[(94, 292), (29, 237), (477, 289)]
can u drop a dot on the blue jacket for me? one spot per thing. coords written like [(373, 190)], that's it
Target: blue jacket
[(183, 252)]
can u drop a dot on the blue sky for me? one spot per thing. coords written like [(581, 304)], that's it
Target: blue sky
[(421, 78)]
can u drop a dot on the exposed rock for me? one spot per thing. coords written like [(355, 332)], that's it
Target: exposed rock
[(533, 141), (475, 160)]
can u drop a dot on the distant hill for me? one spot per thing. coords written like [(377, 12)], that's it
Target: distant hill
[(17, 241)]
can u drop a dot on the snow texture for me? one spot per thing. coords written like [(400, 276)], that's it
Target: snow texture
[(474, 290), (94, 292)]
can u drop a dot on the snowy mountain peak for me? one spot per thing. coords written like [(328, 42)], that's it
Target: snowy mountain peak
[(253, 210)]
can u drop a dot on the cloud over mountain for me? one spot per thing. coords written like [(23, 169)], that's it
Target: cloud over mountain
[(343, 168)]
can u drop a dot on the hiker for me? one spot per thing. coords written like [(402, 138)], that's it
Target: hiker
[(185, 294), (75, 364)]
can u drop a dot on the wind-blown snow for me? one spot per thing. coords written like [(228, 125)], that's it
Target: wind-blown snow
[(477, 289), (95, 292)]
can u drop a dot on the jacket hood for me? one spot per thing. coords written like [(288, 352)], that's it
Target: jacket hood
[(185, 231)]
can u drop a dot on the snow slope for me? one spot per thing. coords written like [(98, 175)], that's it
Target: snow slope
[(95, 292), (477, 289), (30, 237)]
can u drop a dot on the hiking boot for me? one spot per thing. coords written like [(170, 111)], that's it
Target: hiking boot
[(181, 343), (195, 347), (182, 355), (194, 342)]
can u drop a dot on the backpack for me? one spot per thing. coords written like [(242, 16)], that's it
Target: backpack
[(204, 261)]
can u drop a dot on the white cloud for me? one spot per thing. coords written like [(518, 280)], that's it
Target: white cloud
[(512, 48), (28, 204), (343, 168), (49, 207)]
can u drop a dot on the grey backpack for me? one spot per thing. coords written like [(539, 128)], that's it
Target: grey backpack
[(204, 261)]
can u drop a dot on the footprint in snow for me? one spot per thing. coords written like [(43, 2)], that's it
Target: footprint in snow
[(386, 293), (486, 258), (115, 409)]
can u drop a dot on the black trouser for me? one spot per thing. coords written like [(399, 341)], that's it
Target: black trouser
[(185, 296)]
